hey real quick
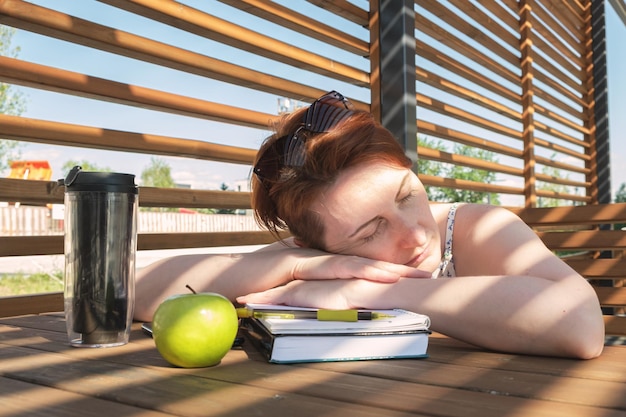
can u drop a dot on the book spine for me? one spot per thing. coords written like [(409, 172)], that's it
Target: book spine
[(260, 337)]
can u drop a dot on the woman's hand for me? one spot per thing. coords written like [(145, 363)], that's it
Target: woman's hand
[(331, 294), (330, 266)]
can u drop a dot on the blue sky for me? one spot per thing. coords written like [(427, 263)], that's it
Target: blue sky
[(202, 174)]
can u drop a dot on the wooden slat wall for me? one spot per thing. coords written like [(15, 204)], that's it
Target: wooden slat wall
[(596, 253), (509, 77), (506, 76), (295, 62), (292, 56), (470, 82)]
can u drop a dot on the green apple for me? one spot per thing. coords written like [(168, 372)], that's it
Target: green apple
[(194, 330)]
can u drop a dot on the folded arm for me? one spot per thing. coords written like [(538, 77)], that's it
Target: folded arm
[(521, 314), (512, 295), (234, 275)]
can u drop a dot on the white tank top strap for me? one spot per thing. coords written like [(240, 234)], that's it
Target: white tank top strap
[(446, 266)]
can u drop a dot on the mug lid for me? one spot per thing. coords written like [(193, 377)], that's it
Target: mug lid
[(79, 180)]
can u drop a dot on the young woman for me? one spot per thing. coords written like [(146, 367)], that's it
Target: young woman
[(365, 236)]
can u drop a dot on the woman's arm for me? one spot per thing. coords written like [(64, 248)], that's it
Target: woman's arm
[(514, 294), (233, 275), (565, 311), (492, 240), (519, 314)]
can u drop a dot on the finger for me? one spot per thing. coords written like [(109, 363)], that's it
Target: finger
[(254, 298), (374, 273), (271, 296), (410, 272), (389, 272), (348, 267)]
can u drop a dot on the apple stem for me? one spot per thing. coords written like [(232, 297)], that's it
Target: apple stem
[(191, 289)]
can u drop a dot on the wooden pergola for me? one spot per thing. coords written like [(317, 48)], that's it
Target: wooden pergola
[(525, 80)]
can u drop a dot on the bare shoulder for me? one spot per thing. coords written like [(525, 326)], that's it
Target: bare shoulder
[(494, 240), (440, 211), (469, 210), (482, 209), (474, 222), (484, 224)]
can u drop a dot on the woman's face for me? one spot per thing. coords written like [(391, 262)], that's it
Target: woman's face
[(380, 212)]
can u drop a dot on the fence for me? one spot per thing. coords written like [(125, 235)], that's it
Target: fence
[(519, 79), (38, 221), (524, 80)]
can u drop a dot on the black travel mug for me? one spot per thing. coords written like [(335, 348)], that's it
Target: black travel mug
[(100, 249)]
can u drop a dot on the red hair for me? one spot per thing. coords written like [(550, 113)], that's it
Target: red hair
[(286, 202)]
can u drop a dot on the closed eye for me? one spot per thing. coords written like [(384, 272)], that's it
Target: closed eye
[(377, 231), (407, 197)]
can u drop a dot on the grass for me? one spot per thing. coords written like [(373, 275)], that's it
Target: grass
[(19, 284)]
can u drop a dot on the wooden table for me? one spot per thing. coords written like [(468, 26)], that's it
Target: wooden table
[(41, 375)]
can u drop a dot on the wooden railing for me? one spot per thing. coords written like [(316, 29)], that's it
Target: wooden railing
[(204, 69), (591, 246), (37, 221), (584, 230), (510, 77)]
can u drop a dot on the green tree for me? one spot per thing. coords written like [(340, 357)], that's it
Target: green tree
[(427, 167), (157, 174), (471, 174), (224, 187), (11, 102), (85, 165), (550, 186), (620, 197)]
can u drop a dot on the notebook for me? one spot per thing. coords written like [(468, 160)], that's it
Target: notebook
[(403, 334)]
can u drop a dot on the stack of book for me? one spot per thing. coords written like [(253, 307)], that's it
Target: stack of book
[(286, 334)]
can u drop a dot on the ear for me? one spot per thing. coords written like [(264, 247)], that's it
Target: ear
[(299, 243)]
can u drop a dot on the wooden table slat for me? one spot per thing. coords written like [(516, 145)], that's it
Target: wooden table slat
[(457, 380), (22, 398)]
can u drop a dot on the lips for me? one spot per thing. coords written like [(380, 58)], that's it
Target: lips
[(417, 260)]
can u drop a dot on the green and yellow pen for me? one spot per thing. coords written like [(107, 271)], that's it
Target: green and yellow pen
[(322, 315)]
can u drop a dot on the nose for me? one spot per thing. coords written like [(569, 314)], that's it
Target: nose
[(409, 233)]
